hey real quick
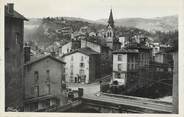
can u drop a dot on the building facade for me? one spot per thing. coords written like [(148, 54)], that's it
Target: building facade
[(125, 63), (82, 66), (43, 83), (163, 57), (134, 68), (128, 60), (105, 55), (14, 57)]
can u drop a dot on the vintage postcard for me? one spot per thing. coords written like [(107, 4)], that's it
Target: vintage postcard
[(91, 56)]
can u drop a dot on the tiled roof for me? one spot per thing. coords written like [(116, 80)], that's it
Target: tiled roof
[(97, 43), (37, 59), (86, 50), (125, 50), (14, 15), (137, 46)]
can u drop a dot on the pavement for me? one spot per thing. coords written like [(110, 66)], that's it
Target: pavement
[(91, 88), (88, 88)]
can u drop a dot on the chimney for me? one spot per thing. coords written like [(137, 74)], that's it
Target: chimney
[(10, 8), (53, 53), (27, 53)]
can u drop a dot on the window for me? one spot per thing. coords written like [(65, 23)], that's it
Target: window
[(48, 75), (71, 58), (81, 72), (64, 69), (46, 103), (71, 73), (129, 66), (36, 77), (71, 66), (132, 66), (119, 67), (36, 90), (17, 38), (82, 58), (33, 106), (129, 59), (110, 34), (81, 64), (117, 75), (119, 57), (48, 88), (71, 78)]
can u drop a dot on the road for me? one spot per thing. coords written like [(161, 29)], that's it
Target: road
[(92, 88), (88, 88)]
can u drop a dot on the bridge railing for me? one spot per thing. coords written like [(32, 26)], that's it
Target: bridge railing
[(136, 98)]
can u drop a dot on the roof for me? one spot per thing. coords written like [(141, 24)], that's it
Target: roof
[(126, 51), (137, 46), (172, 49), (161, 53), (97, 43), (42, 58), (14, 15), (86, 50)]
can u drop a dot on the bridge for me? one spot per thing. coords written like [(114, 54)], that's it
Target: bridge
[(110, 103), (99, 102), (95, 101)]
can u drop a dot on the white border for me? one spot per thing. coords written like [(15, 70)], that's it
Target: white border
[(23, 114)]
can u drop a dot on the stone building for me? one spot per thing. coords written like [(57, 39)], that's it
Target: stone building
[(134, 68), (82, 65), (127, 61), (105, 55), (43, 83), (14, 57), (163, 57)]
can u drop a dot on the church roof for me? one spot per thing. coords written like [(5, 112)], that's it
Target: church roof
[(37, 59), (111, 20)]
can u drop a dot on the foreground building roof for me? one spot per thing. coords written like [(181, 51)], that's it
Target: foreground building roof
[(35, 60), (14, 14)]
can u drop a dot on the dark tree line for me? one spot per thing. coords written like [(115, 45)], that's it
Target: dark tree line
[(170, 38)]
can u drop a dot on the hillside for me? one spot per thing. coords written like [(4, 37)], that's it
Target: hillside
[(43, 32), (163, 24)]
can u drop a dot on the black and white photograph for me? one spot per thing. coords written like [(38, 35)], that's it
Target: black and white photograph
[(91, 56)]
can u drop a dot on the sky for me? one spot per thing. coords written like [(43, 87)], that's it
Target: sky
[(96, 9)]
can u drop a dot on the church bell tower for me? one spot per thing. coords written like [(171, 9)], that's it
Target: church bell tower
[(110, 31), (111, 40)]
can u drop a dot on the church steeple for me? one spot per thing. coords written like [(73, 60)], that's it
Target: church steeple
[(111, 20)]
